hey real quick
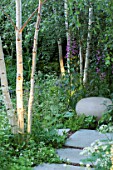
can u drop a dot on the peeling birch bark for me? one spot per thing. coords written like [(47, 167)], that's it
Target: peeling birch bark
[(67, 32), (61, 57), (19, 78), (34, 53), (88, 46), (4, 86)]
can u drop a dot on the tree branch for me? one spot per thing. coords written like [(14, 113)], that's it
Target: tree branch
[(9, 18), (24, 25), (44, 1)]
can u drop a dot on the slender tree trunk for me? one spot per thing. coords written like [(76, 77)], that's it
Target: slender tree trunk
[(19, 78), (61, 62), (67, 33), (88, 46), (34, 53), (61, 57), (80, 54), (4, 86)]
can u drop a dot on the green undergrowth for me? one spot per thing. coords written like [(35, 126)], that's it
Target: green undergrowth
[(53, 108), (26, 151)]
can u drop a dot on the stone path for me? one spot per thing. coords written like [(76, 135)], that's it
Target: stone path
[(73, 146)]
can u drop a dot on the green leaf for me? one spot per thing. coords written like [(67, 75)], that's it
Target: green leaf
[(68, 114)]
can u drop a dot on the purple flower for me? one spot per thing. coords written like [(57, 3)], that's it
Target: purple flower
[(71, 48), (97, 70), (98, 58)]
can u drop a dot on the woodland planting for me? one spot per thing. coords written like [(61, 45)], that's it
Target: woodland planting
[(52, 54)]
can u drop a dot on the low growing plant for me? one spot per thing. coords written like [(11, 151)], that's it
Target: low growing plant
[(100, 153), (107, 117), (77, 122), (25, 151)]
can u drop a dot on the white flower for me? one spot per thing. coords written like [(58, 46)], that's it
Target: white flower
[(81, 163), (68, 159), (97, 161), (111, 129), (103, 128), (64, 165), (87, 165), (104, 147)]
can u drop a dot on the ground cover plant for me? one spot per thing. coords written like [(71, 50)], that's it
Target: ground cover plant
[(26, 151), (51, 111)]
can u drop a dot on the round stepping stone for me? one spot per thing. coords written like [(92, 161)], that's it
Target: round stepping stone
[(93, 106)]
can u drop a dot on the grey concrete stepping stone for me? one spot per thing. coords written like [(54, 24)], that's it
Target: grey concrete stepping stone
[(71, 155), (62, 131), (58, 167), (84, 138)]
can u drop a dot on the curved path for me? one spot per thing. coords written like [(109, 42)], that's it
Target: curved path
[(73, 146)]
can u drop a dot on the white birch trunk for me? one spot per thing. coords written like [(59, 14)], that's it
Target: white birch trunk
[(61, 57), (80, 55), (34, 53), (4, 86), (19, 78), (88, 46), (67, 32)]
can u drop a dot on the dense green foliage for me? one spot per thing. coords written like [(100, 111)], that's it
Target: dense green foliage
[(51, 111), (26, 151), (53, 27)]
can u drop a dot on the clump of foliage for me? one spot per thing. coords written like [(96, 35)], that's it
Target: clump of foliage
[(25, 151), (81, 122), (53, 105), (107, 117), (100, 153)]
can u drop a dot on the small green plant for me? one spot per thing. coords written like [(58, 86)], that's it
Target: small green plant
[(107, 117), (77, 122)]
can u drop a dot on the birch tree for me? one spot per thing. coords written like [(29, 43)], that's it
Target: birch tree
[(88, 46), (80, 53), (19, 78), (34, 53), (67, 32), (81, 62), (4, 86)]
